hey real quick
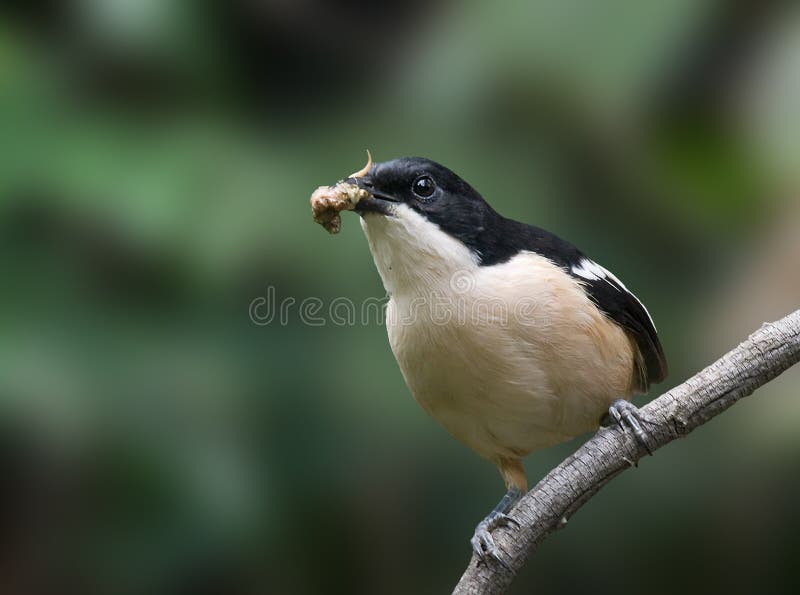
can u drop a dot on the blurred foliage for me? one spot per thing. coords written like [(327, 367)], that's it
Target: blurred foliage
[(155, 164)]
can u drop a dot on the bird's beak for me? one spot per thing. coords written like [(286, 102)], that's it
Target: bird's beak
[(376, 202)]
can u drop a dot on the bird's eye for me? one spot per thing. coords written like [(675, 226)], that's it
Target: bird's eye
[(423, 186)]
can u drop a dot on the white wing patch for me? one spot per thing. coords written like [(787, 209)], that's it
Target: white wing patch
[(590, 270)]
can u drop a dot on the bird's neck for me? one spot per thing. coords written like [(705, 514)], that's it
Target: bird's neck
[(414, 257)]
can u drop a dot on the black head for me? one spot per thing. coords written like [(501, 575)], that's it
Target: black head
[(431, 190)]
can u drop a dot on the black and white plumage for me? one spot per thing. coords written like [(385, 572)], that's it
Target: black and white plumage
[(503, 385)]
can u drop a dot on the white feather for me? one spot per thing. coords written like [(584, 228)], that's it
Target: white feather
[(590, 270)]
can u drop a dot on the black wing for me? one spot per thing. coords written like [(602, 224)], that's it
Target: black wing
[(624, 308)]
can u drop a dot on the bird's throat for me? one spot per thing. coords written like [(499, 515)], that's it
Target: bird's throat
[(414, 257)]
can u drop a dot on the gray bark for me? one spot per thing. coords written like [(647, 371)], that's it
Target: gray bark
[(764, 355)]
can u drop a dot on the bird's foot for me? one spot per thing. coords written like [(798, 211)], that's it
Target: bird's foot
[(627, 415), (482, 541)]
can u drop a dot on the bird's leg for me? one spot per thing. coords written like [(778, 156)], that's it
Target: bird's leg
[(482, 541), (626, 415)]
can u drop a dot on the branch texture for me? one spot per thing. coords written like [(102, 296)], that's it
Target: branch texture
[(764, 355)]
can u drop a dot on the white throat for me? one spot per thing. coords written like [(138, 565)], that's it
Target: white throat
[(414, 256)]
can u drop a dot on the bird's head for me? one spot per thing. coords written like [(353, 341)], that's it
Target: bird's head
[(413, 186), (419, 215)]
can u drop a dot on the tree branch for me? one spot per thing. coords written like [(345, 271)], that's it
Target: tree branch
[(764, 355)]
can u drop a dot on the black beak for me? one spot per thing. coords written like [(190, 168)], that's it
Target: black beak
[(376, 202)]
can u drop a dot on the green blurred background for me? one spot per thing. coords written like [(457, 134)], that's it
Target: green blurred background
[(156, 159)]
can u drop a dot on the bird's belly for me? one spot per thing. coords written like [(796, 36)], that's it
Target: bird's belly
[(506, 391), (496, 408)]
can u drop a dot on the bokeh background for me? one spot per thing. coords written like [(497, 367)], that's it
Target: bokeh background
[(156, 159)]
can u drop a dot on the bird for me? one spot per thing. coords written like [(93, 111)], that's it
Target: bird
[(510, 337)]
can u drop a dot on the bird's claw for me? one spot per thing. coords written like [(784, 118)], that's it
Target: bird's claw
[(483, 543), (627, 415)]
